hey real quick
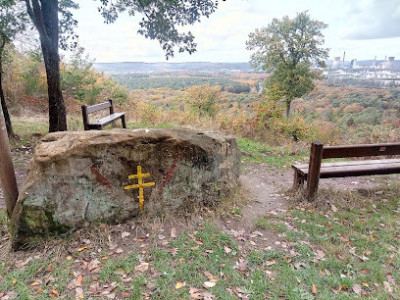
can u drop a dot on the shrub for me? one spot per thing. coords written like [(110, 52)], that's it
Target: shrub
[(202, 98)]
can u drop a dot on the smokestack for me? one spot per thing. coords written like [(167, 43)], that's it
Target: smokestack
[(344, 56)]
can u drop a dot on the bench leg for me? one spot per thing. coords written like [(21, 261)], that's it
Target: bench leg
[(298, 180), (314, 169), (123, 121)]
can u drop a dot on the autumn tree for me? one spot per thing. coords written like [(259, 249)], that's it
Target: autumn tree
[(160, 20), (287, 49), (202, 99), (53, 30), (12, 20)]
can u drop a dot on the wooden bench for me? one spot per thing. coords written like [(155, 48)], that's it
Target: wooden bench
[(101, 123), (315, 170)]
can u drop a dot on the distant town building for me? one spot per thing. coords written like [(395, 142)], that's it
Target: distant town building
[(380, 72)]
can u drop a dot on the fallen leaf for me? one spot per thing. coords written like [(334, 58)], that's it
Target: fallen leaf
[(208, 296), (195, 293), (78, 281), (173, 233), (334, 208), (49, 268), (11, 295), (94, 288), (69, 257), (357, 289), (126, 294), (40, 291), (209, 284), (344, 238), (242, 265), (82, 248), (143, 267), (125, 234), (54, 292), (270, 263), (210, 276), (181, 260), (22, 264), (35, 283), (343, 288), (227, 250), (388, 287), (39, 270), (79, 293), (320, 255), (179, 285), (314, 289), (93, 264)]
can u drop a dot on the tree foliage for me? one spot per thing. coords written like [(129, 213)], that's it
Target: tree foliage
[(287, 49), (161, 18), (79, 79), (12, 21), (202, 99)]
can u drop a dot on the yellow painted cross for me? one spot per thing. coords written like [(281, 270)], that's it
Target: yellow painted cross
[(140, 185)]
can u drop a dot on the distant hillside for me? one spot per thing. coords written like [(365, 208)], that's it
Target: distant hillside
[(141, 67)]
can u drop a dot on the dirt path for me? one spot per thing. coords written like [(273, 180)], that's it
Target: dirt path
[(267, 187)]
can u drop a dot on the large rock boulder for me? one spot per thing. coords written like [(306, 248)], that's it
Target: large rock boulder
[(80, 177)]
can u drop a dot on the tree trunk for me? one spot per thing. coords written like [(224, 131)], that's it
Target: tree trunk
[(7, 174), (7, 118), (287, 109), (57, 110), (45, 18)]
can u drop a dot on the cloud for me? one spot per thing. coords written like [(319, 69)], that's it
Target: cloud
[(378, 20)]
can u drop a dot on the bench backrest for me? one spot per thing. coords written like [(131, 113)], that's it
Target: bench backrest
[(361, 150), (86, 110), (100, 106)]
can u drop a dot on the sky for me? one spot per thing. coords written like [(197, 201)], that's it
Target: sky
[(362, 28)]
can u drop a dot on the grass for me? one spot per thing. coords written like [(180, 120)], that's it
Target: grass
[(346, 254), (256, 152)]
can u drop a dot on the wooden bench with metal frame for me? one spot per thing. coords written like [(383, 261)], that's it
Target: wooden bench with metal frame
[(315, 170), (101, 123)]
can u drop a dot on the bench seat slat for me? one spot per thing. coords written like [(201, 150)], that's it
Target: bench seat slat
[(354, 168), (350, 163), (108, 119), (347, 171)]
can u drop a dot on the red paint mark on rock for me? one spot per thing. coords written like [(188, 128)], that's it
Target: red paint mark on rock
[(100, 178), (170, 171)]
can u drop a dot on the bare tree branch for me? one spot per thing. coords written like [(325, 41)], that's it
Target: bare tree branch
[(30, 12), (38, 21)]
